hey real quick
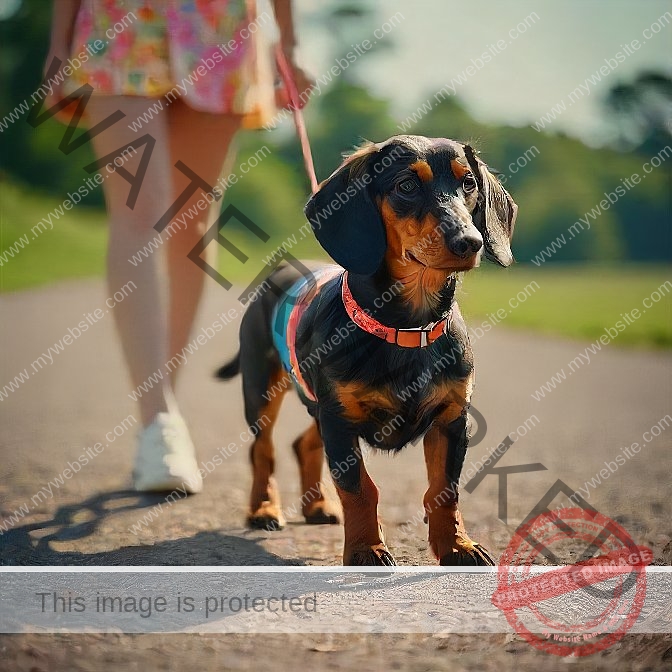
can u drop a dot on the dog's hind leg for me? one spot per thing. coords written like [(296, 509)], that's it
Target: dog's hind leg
[(261, 412), (309, 451)]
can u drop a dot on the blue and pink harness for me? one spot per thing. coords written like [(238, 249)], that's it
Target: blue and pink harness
[(289, 310), (286, 317)]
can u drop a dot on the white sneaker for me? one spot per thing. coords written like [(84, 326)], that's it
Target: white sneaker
[(166, 458)]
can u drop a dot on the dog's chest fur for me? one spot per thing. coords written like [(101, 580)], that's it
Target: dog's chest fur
[(388, 394)]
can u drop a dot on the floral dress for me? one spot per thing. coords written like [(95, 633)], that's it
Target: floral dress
[(210, 53)]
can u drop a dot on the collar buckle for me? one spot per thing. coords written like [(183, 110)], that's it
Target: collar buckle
[(412, 337)]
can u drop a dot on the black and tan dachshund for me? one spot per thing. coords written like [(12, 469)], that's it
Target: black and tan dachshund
[(376, 346)]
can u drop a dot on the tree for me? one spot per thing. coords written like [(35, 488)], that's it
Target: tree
[(642, 110)]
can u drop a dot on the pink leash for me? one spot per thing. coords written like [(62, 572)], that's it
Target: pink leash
[(294, 103), (288, 80)]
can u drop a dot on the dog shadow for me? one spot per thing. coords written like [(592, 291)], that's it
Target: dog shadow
[(31, 544)]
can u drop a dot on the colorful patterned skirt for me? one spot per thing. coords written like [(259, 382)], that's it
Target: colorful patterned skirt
[(213, 54)]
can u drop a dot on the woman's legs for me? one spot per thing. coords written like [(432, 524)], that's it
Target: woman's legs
[(140, 318), (166, 455), (202, 142)]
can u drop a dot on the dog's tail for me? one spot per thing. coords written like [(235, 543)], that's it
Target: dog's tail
[(230, 369)]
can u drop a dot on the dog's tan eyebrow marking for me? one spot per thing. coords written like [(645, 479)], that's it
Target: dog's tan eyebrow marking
[(459, 169), (423, 170)]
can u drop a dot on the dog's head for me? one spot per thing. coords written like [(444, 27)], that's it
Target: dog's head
[(427, 202)]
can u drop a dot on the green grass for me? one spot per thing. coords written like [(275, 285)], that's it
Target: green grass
[(74, 248), (576, 301)]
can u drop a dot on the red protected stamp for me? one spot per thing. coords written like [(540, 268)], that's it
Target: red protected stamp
[(572, 610)]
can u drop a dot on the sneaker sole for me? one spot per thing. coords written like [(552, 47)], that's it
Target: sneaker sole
[(168, 485)]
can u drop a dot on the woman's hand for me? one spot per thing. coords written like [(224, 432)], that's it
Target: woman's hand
[(304, 84)]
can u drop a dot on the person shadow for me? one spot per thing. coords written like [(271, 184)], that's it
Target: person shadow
[(30, 544)]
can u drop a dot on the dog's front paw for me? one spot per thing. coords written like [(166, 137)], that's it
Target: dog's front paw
[(369, 556), (321, 512), (468, 554), (267, 517)]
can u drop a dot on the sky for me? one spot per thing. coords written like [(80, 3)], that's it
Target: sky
[(436, 40)]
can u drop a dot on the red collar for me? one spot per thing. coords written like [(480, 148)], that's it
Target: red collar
[(417, 337)]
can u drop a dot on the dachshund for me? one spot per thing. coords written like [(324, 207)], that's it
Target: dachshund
[(376, 346)]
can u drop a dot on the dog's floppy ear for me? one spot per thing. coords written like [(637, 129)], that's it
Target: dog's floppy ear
[(495, 213), (345, 220)]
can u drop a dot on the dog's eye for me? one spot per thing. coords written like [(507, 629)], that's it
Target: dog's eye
[(407, 186), (469, 183)]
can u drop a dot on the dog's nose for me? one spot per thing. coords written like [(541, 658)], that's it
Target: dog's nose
[(465, 246)]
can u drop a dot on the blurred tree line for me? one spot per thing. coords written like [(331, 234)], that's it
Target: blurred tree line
[(561, 181)]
